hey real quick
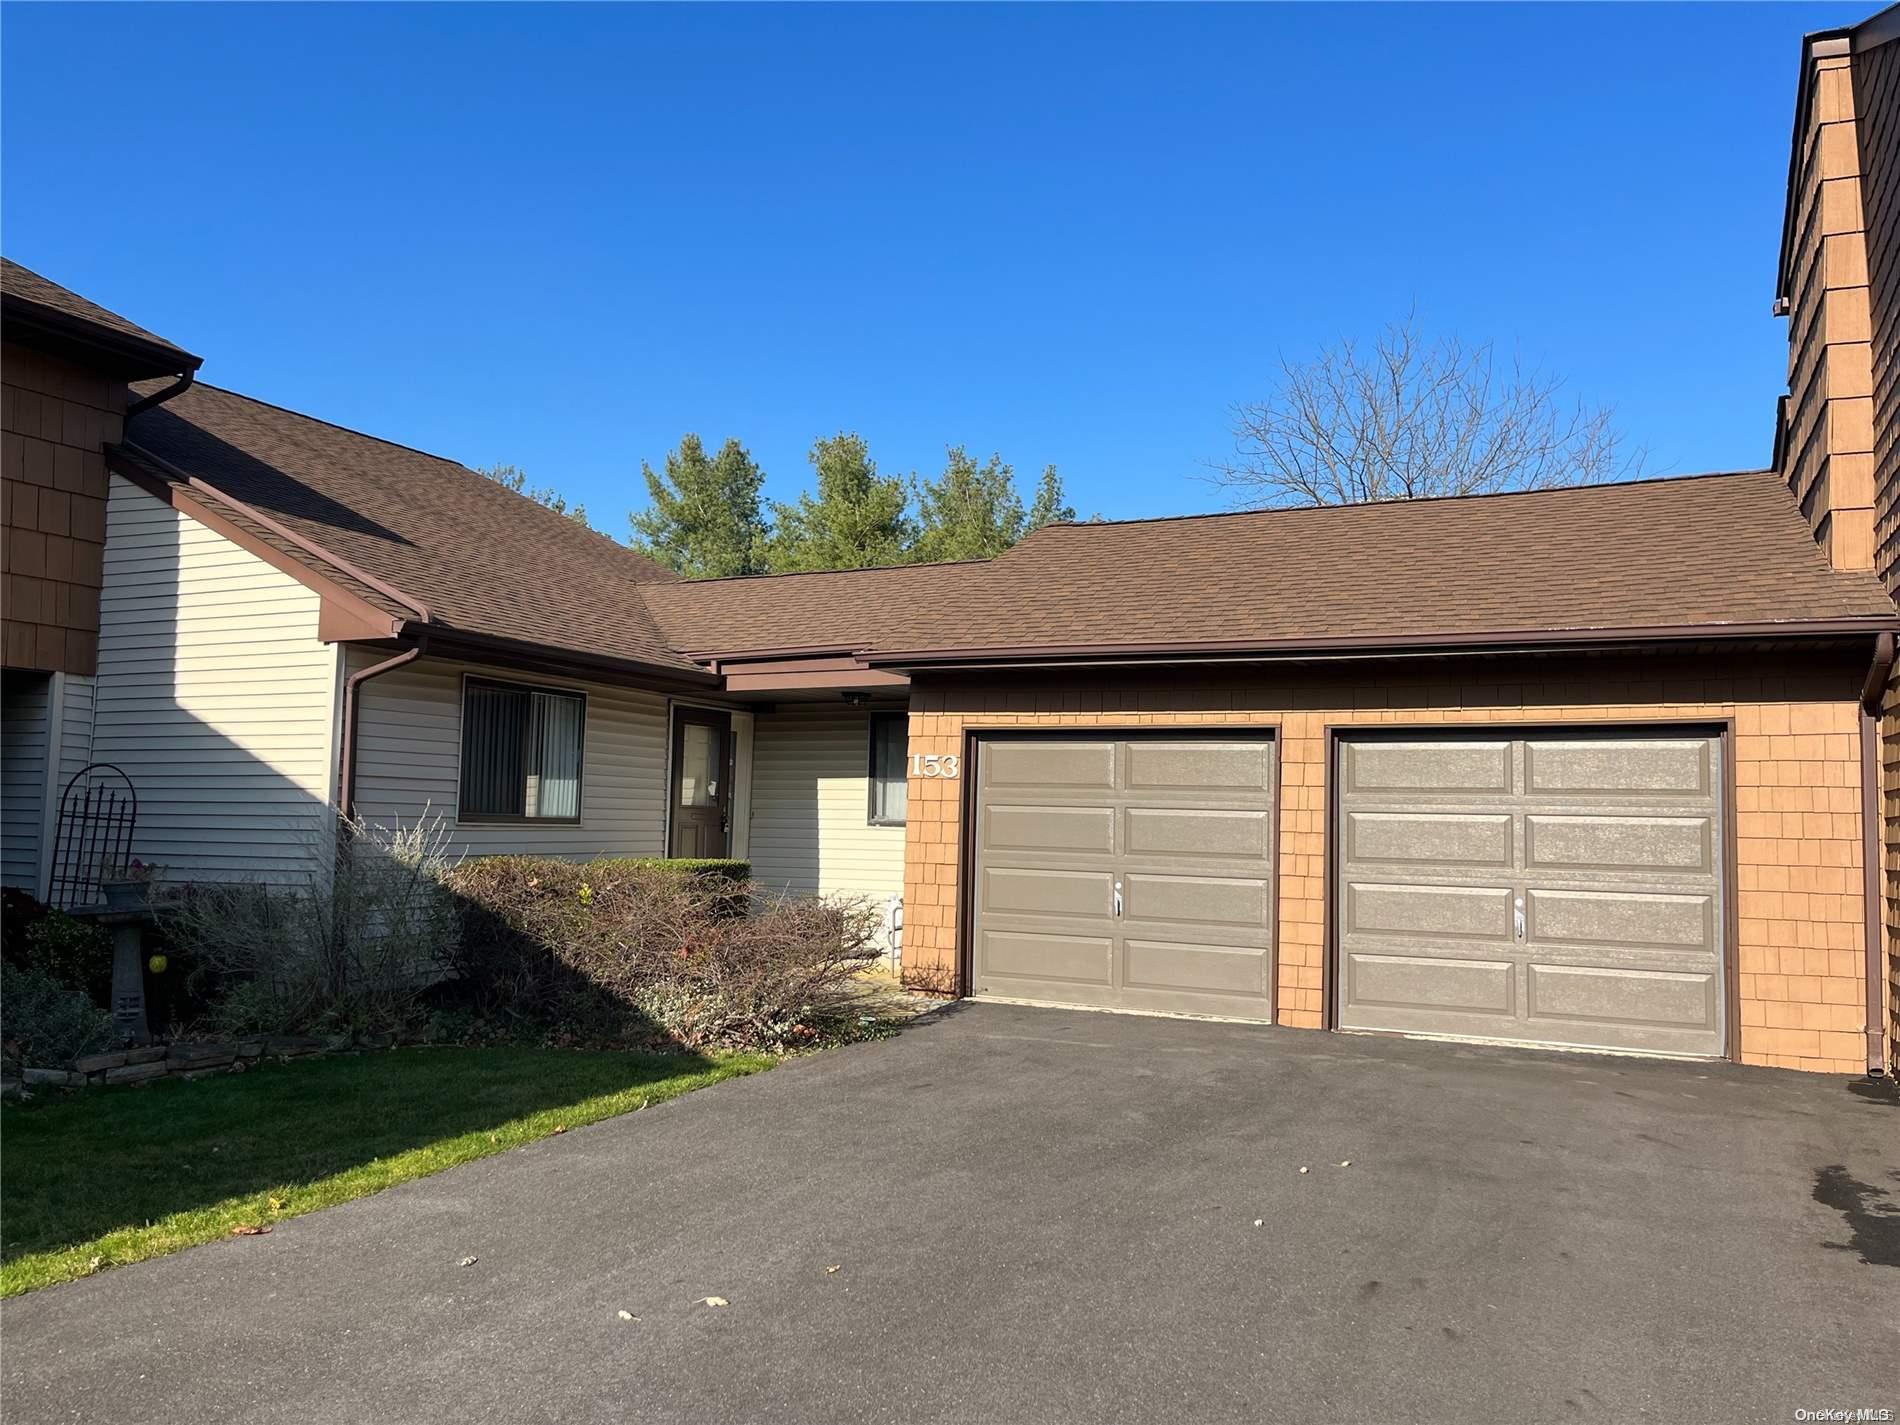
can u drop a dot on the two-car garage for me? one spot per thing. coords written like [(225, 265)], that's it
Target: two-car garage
[(1563, 888)]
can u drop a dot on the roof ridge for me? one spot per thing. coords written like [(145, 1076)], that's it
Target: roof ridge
[(685, 583), (1411, 503)]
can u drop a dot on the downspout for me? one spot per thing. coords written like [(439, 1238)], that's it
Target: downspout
[(346, 783), (1873, 892), (159, 398)]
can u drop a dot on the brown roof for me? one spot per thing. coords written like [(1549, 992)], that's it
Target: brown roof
[(1705, 551), (482, 560), (843, 610), (32, 303)]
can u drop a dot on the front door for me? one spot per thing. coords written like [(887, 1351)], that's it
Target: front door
[(702, 756)]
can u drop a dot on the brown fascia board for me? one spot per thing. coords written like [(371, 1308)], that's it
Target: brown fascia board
[(1381, 645), (64, 334), (719, 658), (130, 454), (343, 617), (844, 680), (475, 647)]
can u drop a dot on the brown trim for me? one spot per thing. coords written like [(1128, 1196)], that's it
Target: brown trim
[(342, 608), (464, 817), (557, 662), (1873, 893), (861, 677), (91, 342), (1722, 727), (1530, 640), (718, 656), (132, 451), (973, 737)]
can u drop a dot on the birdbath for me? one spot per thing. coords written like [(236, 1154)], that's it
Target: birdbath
[(128, 971)]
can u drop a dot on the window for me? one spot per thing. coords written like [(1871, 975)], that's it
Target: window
[(890, 750), (521, 752)]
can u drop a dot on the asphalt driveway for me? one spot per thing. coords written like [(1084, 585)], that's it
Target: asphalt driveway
[(1037, 1215)]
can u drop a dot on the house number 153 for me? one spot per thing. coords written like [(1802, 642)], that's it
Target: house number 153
[(930, 764)]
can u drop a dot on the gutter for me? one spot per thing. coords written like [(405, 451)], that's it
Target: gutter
[(1380, 645), (1873, 892), (160, 397)]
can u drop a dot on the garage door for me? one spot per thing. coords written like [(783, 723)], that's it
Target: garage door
[(1126, 873), (1561, 890)]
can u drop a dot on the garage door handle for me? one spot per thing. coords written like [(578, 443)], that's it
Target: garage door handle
[(1517, 916), (1118, 899)]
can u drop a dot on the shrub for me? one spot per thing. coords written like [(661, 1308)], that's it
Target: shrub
[(622, 949), (45, 1023), (352, 951), (75, 952)]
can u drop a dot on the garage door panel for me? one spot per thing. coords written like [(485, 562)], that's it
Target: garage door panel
[(1074, 959), (1195, 900), (1072, 765), (1183, 825), (1622, 843), (1428, 839), (1197, 835), (1610, 844), (1419, 912), (1678, 1000), (1672, 922), (1168, 966), (1620, 766), (1375, 767), (1199, 766), (1428, 982), (1010, 890), (1049, 828)]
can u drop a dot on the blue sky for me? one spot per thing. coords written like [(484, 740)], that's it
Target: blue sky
[(561, 235)]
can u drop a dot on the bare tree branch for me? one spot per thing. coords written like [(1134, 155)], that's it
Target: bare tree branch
[(1411, 419)]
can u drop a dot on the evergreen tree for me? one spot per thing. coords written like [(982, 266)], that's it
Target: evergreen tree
[(858, 519), (1049, 507), (703, 516), (971, 511)]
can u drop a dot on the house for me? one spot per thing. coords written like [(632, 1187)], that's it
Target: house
[(1592, 768)]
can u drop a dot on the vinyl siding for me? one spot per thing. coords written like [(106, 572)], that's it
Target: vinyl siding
[(216, 698), (810, 830), (409, 755), (23, 777)]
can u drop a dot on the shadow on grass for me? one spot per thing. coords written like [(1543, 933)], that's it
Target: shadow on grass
[(80, 1166)]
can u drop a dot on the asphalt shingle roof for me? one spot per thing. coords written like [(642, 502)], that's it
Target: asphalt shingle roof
[(23, 285)]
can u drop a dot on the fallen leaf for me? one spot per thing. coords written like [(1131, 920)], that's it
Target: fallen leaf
[(716, 1301), (830, 1270), (277, 1204), (626, 1316), (1260, 1222), (250, 1230), (470, 1261), (1347, 1163), (561, 1129), (1302, 1169)]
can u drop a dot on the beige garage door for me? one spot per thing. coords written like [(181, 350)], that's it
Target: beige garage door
[(1128, 873), (1562, 890)]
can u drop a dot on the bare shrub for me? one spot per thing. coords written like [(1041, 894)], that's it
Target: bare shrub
[(349, 951), (618, 948)]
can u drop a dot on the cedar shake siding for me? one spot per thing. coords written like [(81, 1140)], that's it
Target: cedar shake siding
[(1798, 932), (1826, 443), (58, 417), (1876, 70)]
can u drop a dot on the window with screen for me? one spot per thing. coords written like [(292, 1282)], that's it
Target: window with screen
[(890, 754), (521, 752)]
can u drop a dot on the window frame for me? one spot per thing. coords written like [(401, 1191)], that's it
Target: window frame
[(465, 817), (871, 818)]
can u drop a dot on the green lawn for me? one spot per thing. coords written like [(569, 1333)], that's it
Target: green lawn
[(104, 1177)]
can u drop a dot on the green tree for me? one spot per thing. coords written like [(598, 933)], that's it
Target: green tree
[(1049, 507), (971, 511), (704, 517), (513, 477), (859, 518)]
